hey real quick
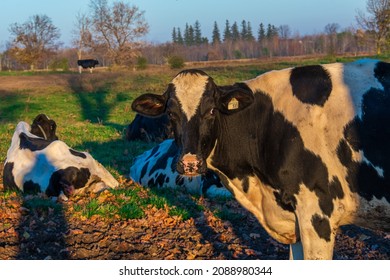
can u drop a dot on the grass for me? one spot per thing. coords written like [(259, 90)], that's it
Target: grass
[(92, 112)]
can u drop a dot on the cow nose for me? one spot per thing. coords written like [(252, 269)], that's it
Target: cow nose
[(190, 165)]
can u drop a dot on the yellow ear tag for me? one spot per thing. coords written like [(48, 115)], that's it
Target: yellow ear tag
[(233, 104)]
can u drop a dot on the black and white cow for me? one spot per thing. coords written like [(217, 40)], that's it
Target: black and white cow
[(149, 129), (37, 162), (87, 64), (305, 149), (156, 168)]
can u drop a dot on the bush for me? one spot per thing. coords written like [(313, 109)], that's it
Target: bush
[(176, 62), (59, 64), (142, 63)]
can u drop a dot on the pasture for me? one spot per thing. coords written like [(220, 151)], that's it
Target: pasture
[(92, 112)]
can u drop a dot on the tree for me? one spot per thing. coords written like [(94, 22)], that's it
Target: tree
[(82, 34), (378, 22), (227, 34), (34, 40), (174, 35), (118, 27), (261, 34), (216, 37), (197, 33), (331, 30), (235, 32)]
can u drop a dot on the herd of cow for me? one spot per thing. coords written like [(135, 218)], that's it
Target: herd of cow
[(305, 149)]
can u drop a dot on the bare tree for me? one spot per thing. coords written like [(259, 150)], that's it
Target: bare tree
[(82, 34), (34, 40), (377, 22), (118, 27)]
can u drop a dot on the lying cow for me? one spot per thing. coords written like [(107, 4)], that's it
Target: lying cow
[(156, 168), (149, 129), (37, 162), (87, 64), (305, 149)]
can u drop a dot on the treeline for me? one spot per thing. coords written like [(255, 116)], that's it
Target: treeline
[(238, 41), (112, 33)]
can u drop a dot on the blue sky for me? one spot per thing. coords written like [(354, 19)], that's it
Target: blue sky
[(302, 16)]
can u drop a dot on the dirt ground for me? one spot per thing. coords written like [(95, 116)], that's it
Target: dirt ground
[(37, 234)]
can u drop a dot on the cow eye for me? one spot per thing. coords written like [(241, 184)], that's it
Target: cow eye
[(212, 111)]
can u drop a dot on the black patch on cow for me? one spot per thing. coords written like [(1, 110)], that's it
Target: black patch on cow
[(382, 73), (179, 180), (321, 226), (77, 153), (70, 176), (161, 163), (29, 187), (160, 179), (210, 179), (43, 127), (311, 84), (245, 184), (144, 169), (276, 154), (32, 144), (149, 129), (8, 177), (370, 134)]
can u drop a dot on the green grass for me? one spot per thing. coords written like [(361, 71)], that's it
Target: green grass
[(92, 113)]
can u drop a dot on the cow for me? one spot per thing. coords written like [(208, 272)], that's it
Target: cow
[(305, 149), (149, 129), (87, 64), (156, 168), (38, 162)]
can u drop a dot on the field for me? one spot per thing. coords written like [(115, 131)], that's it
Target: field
[(92, 112)]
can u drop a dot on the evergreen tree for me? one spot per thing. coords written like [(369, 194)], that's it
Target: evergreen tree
[(174, 35), (227, 34), (235, 32), (179, 37), (249, 36), (197, 33), (261, 33), (216, 38), (244, 30)]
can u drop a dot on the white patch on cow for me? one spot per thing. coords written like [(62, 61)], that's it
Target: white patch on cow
[(321, 128), (189, 91)]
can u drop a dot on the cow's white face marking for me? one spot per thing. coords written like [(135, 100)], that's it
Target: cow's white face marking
[(189, 91)]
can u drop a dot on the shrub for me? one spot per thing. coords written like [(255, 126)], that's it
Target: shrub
[(176, 62), (142, 63)]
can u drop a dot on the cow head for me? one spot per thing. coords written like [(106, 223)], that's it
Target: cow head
[(44, 127), (194, 103)]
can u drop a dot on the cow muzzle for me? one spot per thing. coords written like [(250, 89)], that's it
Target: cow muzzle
[(190, 165)]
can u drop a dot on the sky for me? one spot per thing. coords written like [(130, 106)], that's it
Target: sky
[(302, 16)]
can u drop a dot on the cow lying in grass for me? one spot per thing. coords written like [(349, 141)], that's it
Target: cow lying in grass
[(305, 149), (156, 168), (38, 162)]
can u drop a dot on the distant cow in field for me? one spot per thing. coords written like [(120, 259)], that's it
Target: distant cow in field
[(38, 162), (149, 129), (87, 64), (305, 149), (156, 168)]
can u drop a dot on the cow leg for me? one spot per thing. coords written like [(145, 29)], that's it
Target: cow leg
[(80, 69), (317, 236)]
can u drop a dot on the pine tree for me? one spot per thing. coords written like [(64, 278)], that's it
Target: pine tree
[(249, 36), (179, 37), (235, 32), (174, 35), (227, 34), (261, 33), (197, 33), (216, 38), (244, 30)]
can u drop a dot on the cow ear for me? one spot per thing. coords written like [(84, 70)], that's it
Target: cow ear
[(149, 104), (235, 98)]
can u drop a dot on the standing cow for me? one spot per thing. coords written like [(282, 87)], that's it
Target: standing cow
[(87, 64), (305, 149)]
